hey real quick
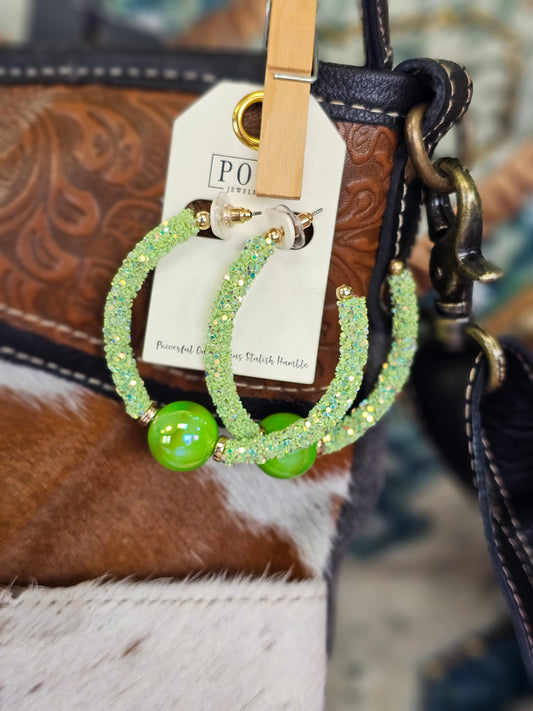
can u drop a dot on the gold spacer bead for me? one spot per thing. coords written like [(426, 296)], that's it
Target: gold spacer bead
[(203, 220), (274, 234), (239, 214), (148, 416), (306, 219), (344, 292), (220, 448), (396, 266), (320, 448)]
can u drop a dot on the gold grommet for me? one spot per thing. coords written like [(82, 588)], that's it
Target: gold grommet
[(255, 97)]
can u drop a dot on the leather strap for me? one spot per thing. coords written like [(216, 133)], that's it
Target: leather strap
[(499, 427), (486, 439), (452, 88), (376, 35)]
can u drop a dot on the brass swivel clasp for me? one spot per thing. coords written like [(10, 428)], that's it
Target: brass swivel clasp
[(456, 259), (456, 262)]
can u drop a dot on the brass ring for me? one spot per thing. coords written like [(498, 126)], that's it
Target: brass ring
[(255, 97), (494, 355), (418, 154)]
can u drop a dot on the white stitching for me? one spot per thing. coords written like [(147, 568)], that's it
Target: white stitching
[(506, 498), (497, 475), (513, 589), (47, 323), (247, 386), (34, 360), (469, 433), (446, 113), (447, 110), (359, 107), (520, 554), (114, 71), (170, 73), (194, 377), (155, 73), (384, 39), (401, 216)]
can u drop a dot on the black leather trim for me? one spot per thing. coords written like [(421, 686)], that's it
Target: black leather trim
[(359, 94), (91, 372), (440, 400), (376, 34), (356, 94), (500, 426), (139, 67), (451, 87)]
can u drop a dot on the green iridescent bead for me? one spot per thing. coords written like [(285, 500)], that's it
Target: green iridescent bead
[(182, 436), (292, 464)]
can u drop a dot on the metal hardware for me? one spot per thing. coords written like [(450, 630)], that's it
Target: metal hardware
[(456, 259), (148, 416), (418, 154), (256, 97), (493, 353), (290, 76), (266, 28), (456, 262), (220, 449)]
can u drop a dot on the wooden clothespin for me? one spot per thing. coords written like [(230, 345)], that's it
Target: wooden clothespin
[(288, 78)]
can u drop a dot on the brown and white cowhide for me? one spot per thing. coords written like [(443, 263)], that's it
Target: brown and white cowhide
[(83, 498)]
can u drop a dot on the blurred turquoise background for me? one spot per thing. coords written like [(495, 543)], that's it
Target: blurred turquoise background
[(421, 623)]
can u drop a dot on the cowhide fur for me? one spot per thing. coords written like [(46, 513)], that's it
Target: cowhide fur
[(206, 645), (82, 498)]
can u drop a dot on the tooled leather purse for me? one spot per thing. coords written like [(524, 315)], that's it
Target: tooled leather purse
[(85, 144)]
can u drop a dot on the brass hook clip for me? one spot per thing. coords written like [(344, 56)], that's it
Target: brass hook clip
[(457, 261)]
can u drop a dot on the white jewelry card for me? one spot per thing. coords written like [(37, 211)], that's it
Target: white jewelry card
[(277, 329)]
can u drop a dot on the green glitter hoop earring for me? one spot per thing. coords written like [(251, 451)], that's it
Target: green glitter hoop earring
[(281, 453), (183, 435), (283, 435)]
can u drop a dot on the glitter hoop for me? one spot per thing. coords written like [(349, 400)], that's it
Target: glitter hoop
[(327, 421), (252, 444)]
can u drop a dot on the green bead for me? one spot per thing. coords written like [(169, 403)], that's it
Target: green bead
[(292, 464), (182, 436)]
